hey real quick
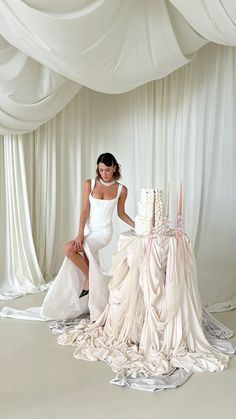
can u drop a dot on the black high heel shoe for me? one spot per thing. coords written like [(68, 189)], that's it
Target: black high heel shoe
[(83, 293)]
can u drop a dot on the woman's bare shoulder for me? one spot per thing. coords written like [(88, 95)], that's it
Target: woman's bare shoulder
[(87, 185), (124, 190)]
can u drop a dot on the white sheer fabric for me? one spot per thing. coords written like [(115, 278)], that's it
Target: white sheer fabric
[(178, 129), (214, 20), (19, 267), (130, 43), (30, 93), (35, 218)]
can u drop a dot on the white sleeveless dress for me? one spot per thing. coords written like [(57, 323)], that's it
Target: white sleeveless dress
[(62, 300)]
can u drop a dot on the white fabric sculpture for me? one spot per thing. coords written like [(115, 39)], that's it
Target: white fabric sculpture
[(151, 331)]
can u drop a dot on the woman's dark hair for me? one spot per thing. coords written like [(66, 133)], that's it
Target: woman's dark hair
[(109, 160)]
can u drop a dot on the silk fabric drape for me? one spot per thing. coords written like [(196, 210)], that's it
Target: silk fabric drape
[(109, 46), (178, 129)]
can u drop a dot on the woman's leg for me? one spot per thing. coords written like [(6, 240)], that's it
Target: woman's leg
[(86, 281), (80, 261)]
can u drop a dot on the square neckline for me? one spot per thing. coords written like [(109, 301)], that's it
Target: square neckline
[(101, 199)]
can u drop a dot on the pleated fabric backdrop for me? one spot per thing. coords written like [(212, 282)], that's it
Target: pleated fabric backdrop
[(180, 128)]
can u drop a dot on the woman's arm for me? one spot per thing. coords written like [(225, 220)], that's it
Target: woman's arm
[(83, 215), (121, 207)]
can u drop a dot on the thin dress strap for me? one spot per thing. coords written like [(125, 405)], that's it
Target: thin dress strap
[(119, 190), (92, 184)]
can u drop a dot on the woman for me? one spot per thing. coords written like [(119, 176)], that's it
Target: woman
[(100, 197)]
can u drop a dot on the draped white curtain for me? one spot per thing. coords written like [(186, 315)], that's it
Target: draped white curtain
[(181, 128), (30, 93), (49, 49)]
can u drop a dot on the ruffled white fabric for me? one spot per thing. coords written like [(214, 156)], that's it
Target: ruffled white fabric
[(152, 323), (151, 332), (12, 295), (213, 327)]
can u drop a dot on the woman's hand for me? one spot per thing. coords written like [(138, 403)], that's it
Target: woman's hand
[(78, 243)]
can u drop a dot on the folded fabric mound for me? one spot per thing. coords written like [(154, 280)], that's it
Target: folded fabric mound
[(150, 332)]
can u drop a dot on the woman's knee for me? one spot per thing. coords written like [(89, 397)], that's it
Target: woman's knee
[(69, 249)]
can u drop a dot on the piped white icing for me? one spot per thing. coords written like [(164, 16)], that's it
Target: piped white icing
[(151, 216)]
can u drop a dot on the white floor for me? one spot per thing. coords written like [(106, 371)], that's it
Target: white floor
[(42, 380)]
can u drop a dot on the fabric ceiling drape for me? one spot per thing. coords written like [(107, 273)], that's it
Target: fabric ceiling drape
[(48, 50), (124, 49), (181, 128), (214, 20), (30, 93)]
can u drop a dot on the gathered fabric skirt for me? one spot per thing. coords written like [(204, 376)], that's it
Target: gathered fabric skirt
[(62, 300), (151, 331)]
